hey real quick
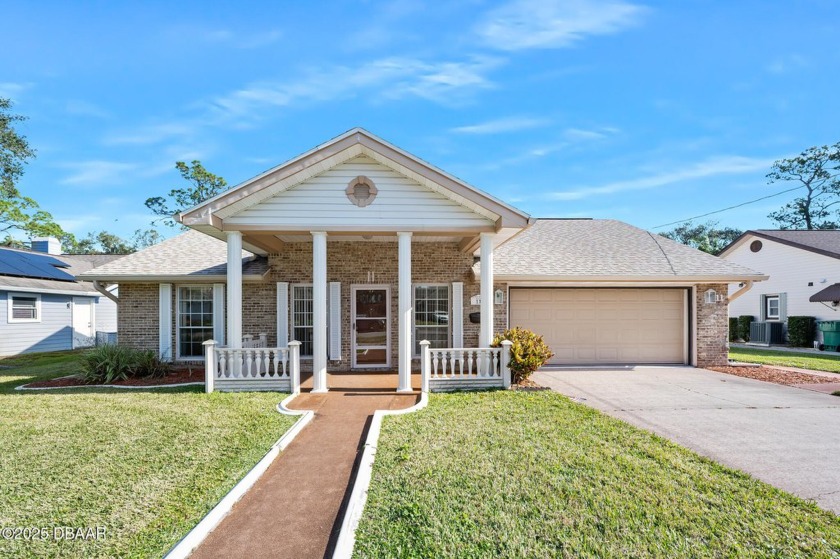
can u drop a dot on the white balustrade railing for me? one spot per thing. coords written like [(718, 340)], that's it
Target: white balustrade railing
[(255, 363), (465, 364), (249, 341)]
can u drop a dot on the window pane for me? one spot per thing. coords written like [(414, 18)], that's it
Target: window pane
[(431, 316), (302, 317), (25, 308), (195, 319)]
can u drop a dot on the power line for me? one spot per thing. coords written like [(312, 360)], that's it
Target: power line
[(730, 207)]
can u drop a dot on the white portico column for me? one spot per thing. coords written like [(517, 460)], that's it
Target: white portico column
[(234, 289), (485, 337), (319, 311), (404, 335)]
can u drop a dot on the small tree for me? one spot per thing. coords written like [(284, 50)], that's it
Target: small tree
[(204, 185), (707, 237), (818, 170), (527, 354)]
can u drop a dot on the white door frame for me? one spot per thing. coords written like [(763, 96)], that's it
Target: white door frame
[(363, 287)]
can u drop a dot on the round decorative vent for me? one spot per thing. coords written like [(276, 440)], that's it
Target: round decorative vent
[(755, 246), (361, 191)]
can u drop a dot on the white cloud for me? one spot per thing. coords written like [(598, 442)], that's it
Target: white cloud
[(509, 124), (152, 134), (787, 63), (724, 165), (96, 172), (387, 78), (527, 24), (84, 108), (10, 90)]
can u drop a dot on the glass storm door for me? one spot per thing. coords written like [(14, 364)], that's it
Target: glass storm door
[(371, 326)]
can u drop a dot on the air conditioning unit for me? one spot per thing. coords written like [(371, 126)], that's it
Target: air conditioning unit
[(766, 333)]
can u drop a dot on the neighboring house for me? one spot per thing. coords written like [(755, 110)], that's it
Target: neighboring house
[(801, 265), (43, 307), (360, 250)]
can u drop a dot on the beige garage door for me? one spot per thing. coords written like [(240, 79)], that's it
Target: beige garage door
[(605, 326)]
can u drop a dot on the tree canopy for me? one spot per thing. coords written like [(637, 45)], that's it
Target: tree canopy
[(817, 169), (707, 237), (203, 185)]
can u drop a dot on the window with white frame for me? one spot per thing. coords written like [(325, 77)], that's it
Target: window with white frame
[(302, 318), (195, 320), (772, 307), (431, 316), (24, 307)]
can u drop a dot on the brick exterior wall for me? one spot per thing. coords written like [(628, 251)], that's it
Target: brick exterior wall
[(137, 319), (349, 263), (712, 328)]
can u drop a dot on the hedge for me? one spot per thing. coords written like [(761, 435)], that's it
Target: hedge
[(733, 328), (801, 331), (744, 326)]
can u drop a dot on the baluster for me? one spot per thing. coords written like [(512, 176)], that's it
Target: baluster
[(248, 358), (469, 362), (230, 367), (494, 361), (222, 364), (434, 363), (263, 368), (460, 363), (482, 359), (284, 361)]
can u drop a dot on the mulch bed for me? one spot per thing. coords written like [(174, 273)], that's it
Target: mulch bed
[(178, 375), (528, 385), (769, 374)]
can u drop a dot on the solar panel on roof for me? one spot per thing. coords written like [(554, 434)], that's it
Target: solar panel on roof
[(30, 265)]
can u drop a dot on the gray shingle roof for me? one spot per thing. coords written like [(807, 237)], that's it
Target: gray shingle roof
[(825, 242), (569, 248), (192, 254)]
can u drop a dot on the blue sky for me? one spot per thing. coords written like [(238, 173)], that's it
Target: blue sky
[(647, 112)]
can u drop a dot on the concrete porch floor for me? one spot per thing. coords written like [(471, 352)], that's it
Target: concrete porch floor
[(296, 507)]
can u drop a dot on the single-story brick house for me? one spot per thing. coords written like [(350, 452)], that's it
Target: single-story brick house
[(360, 250)]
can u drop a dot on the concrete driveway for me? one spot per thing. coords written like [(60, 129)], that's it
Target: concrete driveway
[(785, 436)]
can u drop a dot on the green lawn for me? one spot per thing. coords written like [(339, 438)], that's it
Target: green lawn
[(516, 474), (829, 361), (145, 464)]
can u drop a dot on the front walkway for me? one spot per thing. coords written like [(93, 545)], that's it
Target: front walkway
[(782, 435), (295, 509)]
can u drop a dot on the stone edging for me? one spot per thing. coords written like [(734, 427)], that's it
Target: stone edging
[(212, 519), (358, 497), (24, 387)]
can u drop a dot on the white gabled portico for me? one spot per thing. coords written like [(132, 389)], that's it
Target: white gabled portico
[(358, 188)]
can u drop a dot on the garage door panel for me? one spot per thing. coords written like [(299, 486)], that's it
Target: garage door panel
[(606, 326)]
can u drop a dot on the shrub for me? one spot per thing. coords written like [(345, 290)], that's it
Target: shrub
[(744, 326), (733, 328), (148, 364), (527, 354), (801, 331), (109, 363)]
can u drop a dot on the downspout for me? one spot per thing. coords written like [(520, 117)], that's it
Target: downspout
[(747, 286), (98, 286)]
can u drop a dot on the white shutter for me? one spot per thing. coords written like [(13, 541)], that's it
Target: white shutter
[(762, 312), (457, 314), (335, 321), (165, 321), (783, 307), (219, 313), (282, 314)]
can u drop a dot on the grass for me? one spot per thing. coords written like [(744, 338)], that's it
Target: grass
[(814, 361), (145, 464), (516, 474)]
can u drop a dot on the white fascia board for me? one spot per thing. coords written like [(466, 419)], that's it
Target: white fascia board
[(15, 289), (537, 281), (171, 279)]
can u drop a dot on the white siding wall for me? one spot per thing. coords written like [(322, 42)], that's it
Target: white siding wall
[(790, 269), (321, 202), (106, 314), (54, 332)]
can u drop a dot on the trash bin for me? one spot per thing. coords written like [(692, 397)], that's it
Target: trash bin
[(831, 334)]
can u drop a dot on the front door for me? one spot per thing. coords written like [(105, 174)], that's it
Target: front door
[(371, 326), (83, 331)]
